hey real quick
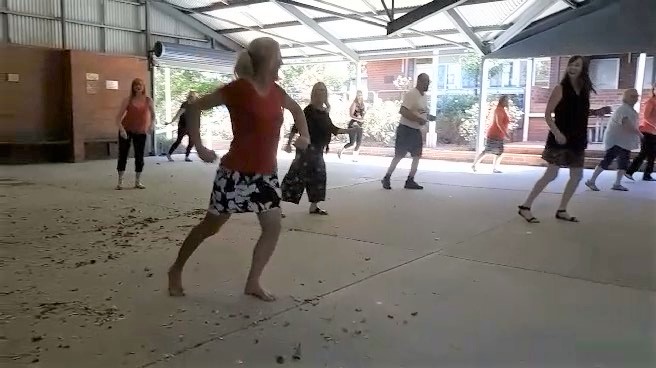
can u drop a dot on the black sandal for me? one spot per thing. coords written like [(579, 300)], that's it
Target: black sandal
[(319, 211), (531, 220), (559, 216)]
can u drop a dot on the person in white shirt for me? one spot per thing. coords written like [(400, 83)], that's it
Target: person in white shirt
[(622, 136), (409, 136)]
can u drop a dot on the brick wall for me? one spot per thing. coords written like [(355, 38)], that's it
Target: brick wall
[(381, 75)]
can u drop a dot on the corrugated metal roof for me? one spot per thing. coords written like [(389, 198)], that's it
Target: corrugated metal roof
[(250, 19)]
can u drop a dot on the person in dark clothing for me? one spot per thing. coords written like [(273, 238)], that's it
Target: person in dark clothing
[(356, 111), (308, 169), (568, 135), (182, 127)]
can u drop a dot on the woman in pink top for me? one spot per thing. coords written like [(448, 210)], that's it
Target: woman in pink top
[(134, 120), (648, 146)]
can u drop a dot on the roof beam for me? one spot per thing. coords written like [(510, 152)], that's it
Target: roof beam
[(445, 32), (421, 13), (197, 25), (355, 17), (465, 30), (303, 18), (571, 3), (406, 36), (527, 17), (222, 5)]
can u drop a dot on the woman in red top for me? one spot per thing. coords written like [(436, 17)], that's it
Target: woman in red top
[(496, 133), (246, 180), (648, 146), (134, 121)]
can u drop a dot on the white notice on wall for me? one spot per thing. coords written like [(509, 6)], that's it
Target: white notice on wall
[(15, 78), (92, 76), (110, 84)]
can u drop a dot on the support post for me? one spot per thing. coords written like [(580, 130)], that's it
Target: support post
[(482, 118), (530, 76), (167, 99), (62, 10), (358, 77), (640, 78), (151, 71), (431, 137)]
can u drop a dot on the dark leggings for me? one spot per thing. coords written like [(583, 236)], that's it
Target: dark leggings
[(354, 137), (648, 151), (139, 141), (181, 133)]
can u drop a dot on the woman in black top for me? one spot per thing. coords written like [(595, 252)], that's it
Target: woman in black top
[(308, 170), (182, 127), (356, 111), (568, 135)]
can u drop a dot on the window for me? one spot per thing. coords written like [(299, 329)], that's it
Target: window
[(542, 72), (389, 79), (605, 73), (449, 76), (649, 73)]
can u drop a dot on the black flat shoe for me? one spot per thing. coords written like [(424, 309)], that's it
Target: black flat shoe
[(559, 216), (531, 220)]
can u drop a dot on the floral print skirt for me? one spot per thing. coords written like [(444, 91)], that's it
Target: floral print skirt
[(234, 192)]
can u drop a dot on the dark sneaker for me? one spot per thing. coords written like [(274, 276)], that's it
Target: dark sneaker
[(411, 184), (629, 176), (386, 183), (648, 178)]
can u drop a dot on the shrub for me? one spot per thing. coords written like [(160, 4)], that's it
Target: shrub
[(469, 124), (452, 110), (381, 121)]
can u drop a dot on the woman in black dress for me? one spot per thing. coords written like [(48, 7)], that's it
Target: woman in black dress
[(356, 111), (568, 135), (308, 170), (182, 127)]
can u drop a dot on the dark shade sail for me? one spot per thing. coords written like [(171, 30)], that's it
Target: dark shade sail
[(599, 27)]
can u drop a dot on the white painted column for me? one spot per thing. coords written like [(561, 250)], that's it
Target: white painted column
[(485, 86), (530, 76), (515, 76), (167, 100), (431, 137), (358, 77), (640, 78)]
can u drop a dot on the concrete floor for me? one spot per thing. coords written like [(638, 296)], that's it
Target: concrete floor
[(447, 277)]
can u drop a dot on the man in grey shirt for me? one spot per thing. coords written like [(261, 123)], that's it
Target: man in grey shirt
[(622, 136)]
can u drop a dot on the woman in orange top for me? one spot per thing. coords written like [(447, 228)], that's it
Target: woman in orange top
[(496, 133), (648, 146), (134, 121), (246, 180)]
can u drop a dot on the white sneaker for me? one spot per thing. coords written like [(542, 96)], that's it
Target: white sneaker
[(170, 158)]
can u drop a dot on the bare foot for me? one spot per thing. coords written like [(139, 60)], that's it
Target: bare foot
[(175, 283), (257, 291)]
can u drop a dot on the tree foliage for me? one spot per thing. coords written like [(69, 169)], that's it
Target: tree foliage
[(471, 65), (183, 81)]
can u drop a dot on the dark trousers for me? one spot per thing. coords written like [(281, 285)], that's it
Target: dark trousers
[(354, 137), (139, 142), (182, 131), (648, 151), (307, 172)]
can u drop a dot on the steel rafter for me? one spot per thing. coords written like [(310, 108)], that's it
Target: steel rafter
[(421, 13), (462, 26), (530, 13), (303, 18)]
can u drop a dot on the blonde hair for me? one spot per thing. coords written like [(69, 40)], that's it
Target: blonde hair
[(258, 52), (313, 94)]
